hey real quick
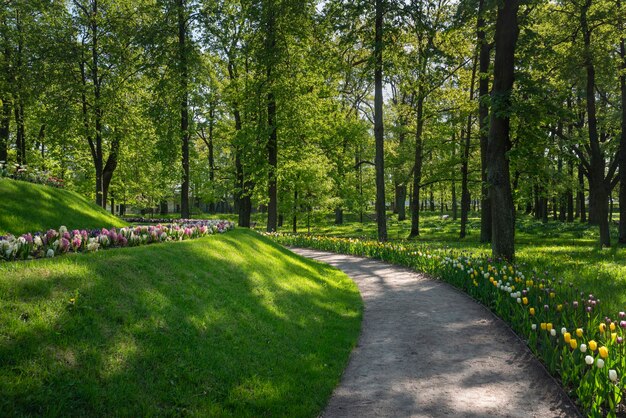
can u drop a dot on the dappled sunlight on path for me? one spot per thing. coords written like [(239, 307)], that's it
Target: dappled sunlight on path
[(427, 350)]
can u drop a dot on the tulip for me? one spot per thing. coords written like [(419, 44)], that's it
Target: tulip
[(573, 343), (604, 352), (589, 360), (525, 301), (563, 331), (622, 324), (553, 332), (613, 336), (622, 315), (543, 326), (549, 327), (593, 345), (612, 326), (613, 375), (583, 348), (532, 311), (579, 332), (620, 340), (533, 327), (602, 327), (567, 337), (600, 363)]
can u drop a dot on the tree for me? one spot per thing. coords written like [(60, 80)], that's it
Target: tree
[(502, 207), (381, 215)]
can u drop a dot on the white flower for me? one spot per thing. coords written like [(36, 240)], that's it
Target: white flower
[(553, 332), (486, 275), (589, 360), (50, 253), (613, 375), (563, 330), (600, 363), (62, 229), (534, 327), (37, 241), (583, 348), (519, 300)]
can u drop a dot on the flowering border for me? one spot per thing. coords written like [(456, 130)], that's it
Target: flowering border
[(566, 328), (56, 242)]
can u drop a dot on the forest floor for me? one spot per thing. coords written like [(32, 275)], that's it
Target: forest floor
[(427, 349)]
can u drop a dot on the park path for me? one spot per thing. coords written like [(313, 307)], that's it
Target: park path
[(428, 350)]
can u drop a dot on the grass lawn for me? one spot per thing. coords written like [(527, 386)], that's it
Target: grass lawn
[(567, 251), (228, 325), (27, 207)]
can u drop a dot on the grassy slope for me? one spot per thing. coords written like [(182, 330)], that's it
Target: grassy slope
[(229, 325), (27, 207)]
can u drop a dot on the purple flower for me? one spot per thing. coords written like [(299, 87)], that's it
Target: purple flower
[(622, 324), (575, 304), (546, 307), (620, 340), (622, 315), (65, 244), (589, 308)]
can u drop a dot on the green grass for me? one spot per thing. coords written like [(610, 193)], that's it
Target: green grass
[(27, 207), (566, 251), (228, 325)]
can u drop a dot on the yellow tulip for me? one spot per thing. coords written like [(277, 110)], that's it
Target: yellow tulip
[(579, 332), (549, 326), (593, 345), (604, 352), (559, 308), (613, 336), (543, 325), (532, 311), (602, 327), (612, 326), (567, 337), (525, 300), (573, 343), (552, 295)]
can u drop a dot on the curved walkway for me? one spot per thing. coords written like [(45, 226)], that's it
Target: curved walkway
[(428, 350)]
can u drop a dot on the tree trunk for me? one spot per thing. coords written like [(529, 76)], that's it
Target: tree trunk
[(465, 194), (381, 215), (272, 142), (417, 169), (598, 189), (503, 210), (431, 198), (622, 154), (5, 128), (295, 212), (483, 122), (581, 194), (210, 147), (184, 107), (401, 201)]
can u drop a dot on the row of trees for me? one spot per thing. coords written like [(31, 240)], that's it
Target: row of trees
[(292, 105)]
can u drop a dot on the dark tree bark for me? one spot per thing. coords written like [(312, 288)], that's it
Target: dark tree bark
[(502, 207), (581, 194), (622, 153), (5, 128), (417, 168), (184, 107), (465, 194), (208, 141), (483, 122), (381, 215), (295, 212), (598, 187), (401, 201), (272, 142)]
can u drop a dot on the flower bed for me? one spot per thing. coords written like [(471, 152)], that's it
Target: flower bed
[(61, 241), (567, 329), (23, 173)]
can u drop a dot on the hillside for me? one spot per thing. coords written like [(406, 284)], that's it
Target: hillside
[(27, 207), (227, 325)]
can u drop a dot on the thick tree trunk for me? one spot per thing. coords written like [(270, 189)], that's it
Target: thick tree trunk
[(184, 108), (381, 215), (401, 201), (503, 209), (598, 188), (109, 167), (483, 122), (272, 142)]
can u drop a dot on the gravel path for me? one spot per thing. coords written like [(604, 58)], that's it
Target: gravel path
[(428, 350)]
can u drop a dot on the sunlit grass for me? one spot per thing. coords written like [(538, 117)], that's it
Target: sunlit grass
[(27, 207), (228, 325)]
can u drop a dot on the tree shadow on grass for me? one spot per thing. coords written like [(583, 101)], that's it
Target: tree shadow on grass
[(183, 328)]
